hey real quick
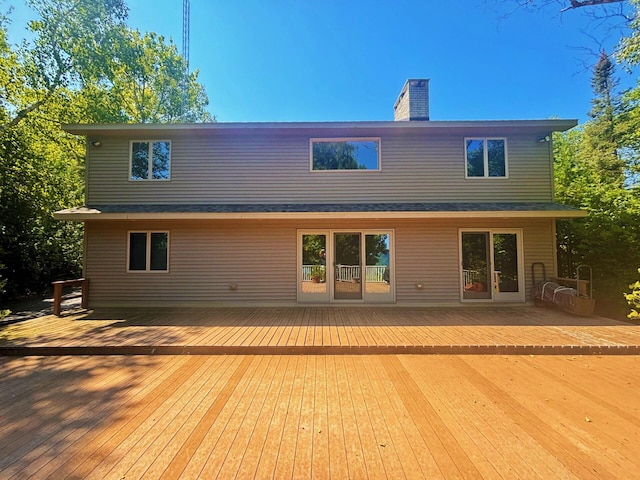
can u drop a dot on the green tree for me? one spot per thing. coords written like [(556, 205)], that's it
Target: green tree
[(3, 283), (40, 172), (633, 299), (147, 83), (601, 135), (609, 238), (594, 171), (629, 48), (150, 81), (72, 38), (82, 65)]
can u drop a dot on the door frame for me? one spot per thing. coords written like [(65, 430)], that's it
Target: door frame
[(328, 296), (520, 295)]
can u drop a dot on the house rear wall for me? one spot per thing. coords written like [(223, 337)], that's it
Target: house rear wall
[(260, 257), (274, 167)]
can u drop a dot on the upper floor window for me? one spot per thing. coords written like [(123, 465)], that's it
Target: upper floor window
[(345, 154), (486, 157), (148, 252), (150, 160)]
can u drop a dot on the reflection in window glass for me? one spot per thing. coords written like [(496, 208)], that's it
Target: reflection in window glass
[(314, 264), (377, 263), (160, 160), (159, 243), (505, 260), (475, 158), (139, 160), (345, 155), (496, 158), (150, 160), (348, 266), (476, 265), (486, 157)]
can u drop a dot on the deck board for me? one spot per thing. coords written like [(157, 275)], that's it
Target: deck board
[(319, 416), (346, 328)]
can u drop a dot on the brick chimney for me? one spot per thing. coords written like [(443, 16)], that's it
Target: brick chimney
[(413, 101)]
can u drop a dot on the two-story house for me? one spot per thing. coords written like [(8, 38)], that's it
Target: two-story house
[(410, 211)]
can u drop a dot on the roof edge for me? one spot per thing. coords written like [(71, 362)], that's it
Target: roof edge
[(87, 213), (556, 125)]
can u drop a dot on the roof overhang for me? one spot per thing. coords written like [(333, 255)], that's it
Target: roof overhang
[(550, 125), (306, 212)]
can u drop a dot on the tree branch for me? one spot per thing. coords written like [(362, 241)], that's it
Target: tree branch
[(588, 3), (22, 114)]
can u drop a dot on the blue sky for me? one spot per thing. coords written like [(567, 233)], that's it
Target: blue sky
[(326, 60)]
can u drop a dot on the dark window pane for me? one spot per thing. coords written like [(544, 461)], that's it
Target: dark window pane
[(496, 152), (140, 160), (159, 244), (137, 251), (346, 155), (475, 157), (505, 260), (161, 160), (476, 265)]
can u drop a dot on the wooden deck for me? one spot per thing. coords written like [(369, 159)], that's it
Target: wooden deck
[(314, 414), (320, 416), (320, 330)]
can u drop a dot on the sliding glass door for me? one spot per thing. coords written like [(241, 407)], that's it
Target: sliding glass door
[(492, 265), (345, 266), (312, 267)]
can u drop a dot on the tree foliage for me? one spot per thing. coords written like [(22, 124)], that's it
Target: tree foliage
[(594, 170), (83, 64), (629, 48), (633, 299)]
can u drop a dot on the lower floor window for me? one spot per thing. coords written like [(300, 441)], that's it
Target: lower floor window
[(148, 252)]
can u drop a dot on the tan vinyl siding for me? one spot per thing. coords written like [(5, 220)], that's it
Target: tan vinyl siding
[(203, 261), (275, 168), (260, 257)]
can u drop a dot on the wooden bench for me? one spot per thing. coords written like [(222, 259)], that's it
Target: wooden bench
[(57, 292)]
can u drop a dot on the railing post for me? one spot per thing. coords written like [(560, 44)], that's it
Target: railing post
[(57, 297), (85, 293)]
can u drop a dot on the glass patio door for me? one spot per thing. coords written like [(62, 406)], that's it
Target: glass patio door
[(508, 280), (343, 266), (492, 265), (347, 266), (378, 280), (476, 266), (313, 285)]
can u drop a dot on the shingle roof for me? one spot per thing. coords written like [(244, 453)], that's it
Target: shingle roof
[(334, 207), (332, 210)]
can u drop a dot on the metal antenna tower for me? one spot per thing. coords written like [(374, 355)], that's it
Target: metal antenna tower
[(186, 27)]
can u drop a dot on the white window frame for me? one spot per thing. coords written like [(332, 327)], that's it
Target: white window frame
[(486, 158), (150, 160), (328, 296), (515, 297), (378, 140), (148, 259)]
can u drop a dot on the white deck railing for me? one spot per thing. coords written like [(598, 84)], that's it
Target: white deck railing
[(307, 271), (376, 274), (346, 273)]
